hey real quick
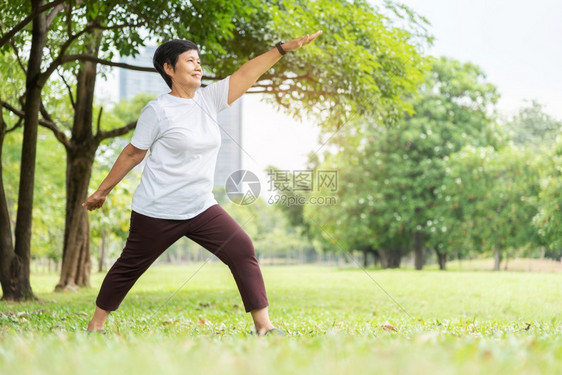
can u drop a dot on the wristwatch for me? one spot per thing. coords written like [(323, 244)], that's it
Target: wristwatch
[(280, 49)]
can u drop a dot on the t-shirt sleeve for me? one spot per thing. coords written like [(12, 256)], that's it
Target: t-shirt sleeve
[(147, 129), (216, 94)]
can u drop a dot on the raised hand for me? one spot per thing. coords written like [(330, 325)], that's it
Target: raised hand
[(299, 42)]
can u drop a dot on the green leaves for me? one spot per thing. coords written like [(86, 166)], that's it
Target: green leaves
[(532, 127), (360, 65), (548, 220), (392, 176), (488, 198)]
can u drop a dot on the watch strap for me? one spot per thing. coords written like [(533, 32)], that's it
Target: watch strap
[(280, 49)]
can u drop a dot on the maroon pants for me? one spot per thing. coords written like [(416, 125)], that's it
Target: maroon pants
[(213, 229)]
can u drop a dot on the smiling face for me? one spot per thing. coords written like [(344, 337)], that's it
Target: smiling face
[(188, 72)]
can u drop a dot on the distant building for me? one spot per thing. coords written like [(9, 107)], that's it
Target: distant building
[(132, 83), (230, 153)]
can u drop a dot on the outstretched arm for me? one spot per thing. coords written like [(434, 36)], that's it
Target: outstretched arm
[(127, 160), (250, 72)]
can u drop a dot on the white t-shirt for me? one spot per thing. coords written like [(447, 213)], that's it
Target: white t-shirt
[(184, 140)]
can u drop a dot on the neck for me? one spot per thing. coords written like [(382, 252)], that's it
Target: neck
[(183, 92)]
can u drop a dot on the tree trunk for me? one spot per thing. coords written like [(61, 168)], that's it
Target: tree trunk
[(102, 251), (376, 257), (16, 264), (497, 257), (390, 258), (418, 250), (14, 286), (441, 259), (76, 264), (369, 250), (9, 261)]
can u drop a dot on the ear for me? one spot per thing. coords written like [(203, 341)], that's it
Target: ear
[(169, 70)]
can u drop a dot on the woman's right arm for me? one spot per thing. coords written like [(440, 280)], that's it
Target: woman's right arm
[(127, 160)]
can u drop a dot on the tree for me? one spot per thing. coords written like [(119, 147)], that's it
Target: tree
[(389, 175), (548, 220), (8, 123), (532, 127), (46, 239), (15, 263), (8, 258), (488, 199)]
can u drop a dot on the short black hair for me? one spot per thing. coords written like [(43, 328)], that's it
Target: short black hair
[(169, 52)]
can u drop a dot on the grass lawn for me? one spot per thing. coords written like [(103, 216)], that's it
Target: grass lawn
[(338, 321)]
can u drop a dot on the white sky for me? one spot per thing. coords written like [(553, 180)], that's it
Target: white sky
[(272, 138), (518, 43)]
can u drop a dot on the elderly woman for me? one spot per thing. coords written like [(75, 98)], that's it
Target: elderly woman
[(174, 197)]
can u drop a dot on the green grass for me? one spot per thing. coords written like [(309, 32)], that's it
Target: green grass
[(448, 323)]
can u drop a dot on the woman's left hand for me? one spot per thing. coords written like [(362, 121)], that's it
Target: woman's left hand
[(299, 42)]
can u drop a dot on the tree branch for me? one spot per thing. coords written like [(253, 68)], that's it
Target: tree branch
[(21, 99), (101, 135), (57, 132), (44, 112), (46, 123), (271, 89), (99, 120), (69, 21), (20, 63), (268, 76), (10, 108), (86, 57), (3, 126), (27, 20), (17, 125), (61, 58), (50, 124), (70, 95), (53, 13)]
